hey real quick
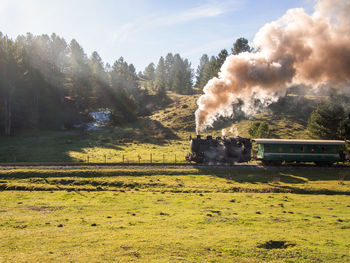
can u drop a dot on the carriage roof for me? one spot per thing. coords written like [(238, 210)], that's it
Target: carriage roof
[(288, 141)]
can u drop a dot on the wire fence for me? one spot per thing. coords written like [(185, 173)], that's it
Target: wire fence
[(140, 159)]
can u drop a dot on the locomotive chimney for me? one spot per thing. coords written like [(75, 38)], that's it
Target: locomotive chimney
[(198, 136)]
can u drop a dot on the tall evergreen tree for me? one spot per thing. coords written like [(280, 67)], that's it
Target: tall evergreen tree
[(327, 122), (169, 64), (149, 72), (79, 88), (209, 71), (220, 59), (98, 80), (204, 60), (124, 107), (10, 75), (149, 75), (160, 77), (241, 45)]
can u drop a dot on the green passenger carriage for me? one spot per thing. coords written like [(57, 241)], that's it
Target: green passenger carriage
[(275, 151)]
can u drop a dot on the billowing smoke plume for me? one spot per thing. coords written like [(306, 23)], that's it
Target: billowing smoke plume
[(297, 48)]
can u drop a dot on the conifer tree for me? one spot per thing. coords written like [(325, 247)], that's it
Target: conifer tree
[(160, 80), (327, 122)]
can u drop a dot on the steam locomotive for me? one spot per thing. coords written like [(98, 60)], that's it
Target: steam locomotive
[(219, 150), (230, 150)]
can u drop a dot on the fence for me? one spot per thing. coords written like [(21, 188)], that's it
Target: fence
[(140, 159)]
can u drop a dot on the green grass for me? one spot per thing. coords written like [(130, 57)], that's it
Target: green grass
[(280, 126), (186, 215), (324, 181), (98, 146), (165, 133)]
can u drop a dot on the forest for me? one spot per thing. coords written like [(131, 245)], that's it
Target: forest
[(47, 83)]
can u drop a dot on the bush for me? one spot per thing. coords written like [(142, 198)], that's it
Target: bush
[(259, 129), (328, 121)]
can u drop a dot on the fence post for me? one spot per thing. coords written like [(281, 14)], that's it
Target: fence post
[(88, 159), (163, 159), (139, 158), (150, 158), (123, 158), (105, 158), (175, 158)]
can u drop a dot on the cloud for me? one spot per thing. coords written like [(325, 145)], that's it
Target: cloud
[(146, 23), (122, 32), (208, 47), (188, 16)]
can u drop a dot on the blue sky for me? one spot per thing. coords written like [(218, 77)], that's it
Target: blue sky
[(142, 31)]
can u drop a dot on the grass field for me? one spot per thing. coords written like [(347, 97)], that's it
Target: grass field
[(162, 135), (174, 215)]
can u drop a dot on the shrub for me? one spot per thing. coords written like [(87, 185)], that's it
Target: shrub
[(259, 129)]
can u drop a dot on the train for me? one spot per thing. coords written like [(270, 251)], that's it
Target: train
[(219, 150), (231, 150)]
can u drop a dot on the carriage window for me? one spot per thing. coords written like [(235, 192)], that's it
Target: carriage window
[(334, 149), (302, 149), (280, 149), (291, 149), (312, 149), (323, 149), (267, 148)]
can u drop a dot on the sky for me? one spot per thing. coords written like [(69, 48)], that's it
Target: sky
[(142, 31)]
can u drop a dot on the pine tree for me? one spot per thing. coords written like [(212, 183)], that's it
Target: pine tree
[(149, 72), (241, 45), (9, 82), (98, 80), (78, 83), (169, 64), (204, 60), (160, 81), (209, 71), (327, 121), (220, 59)]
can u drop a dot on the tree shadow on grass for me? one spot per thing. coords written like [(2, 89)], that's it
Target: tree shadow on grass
[(56, 146), (297, 190), (145, 130), (297, 176), (36, 173), (48, 146), (296, 179)]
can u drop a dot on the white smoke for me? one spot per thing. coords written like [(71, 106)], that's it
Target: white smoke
[(297, 48)]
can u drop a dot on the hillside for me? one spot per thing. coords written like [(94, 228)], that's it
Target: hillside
[(178, 115), (164, 135), (284, 121)]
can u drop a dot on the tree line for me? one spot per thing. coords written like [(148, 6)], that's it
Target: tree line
[(173, 73), (209, 68), (46, 82)]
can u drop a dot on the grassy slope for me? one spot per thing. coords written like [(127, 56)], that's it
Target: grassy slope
[(165, 133), (185, 215)]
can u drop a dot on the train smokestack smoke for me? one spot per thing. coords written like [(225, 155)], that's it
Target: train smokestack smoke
[(297, 48)]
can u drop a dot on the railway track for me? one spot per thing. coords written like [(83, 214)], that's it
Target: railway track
[(237, 166)]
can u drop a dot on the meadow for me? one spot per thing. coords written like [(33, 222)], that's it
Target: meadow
[(174, 215), (163, 214), (162, 137)]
